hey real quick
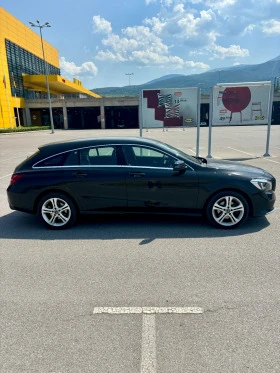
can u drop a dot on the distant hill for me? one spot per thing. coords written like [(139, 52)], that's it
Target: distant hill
[(164, 78), (236, 74)]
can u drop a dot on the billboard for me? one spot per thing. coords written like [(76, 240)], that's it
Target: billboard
[(170, 107), (241, 103)]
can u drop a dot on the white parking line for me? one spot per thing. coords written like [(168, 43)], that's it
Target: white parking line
[(241, 151), (146, 310), (18, 156), (3, 177), (253, 155), (148, 348)]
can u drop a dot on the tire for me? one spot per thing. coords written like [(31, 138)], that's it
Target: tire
[(227, 210), (57, 211)]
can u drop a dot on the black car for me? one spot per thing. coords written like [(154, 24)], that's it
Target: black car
[(136, 175)]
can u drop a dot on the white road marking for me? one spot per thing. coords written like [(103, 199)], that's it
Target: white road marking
[(270, 160), (192, 151), (146, 310), (241, 151), (253, 155), (3, 177), (148, 349)]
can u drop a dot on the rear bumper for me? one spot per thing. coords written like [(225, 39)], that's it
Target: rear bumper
[(17, 202)]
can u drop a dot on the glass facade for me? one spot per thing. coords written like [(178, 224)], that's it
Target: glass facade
[(20, 61)]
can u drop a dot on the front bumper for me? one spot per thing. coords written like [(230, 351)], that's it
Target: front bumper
[(263, 203)]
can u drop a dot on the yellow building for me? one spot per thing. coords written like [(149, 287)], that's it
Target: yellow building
[(23, 71)]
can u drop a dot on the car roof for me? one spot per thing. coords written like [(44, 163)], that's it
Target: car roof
[(86, 142)]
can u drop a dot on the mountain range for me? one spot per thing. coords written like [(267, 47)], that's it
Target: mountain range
[(267, 71)]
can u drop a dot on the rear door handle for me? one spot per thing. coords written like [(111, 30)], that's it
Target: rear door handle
[(137, 174), (79, 174)]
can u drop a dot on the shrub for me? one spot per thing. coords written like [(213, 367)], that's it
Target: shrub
[(24, 129)]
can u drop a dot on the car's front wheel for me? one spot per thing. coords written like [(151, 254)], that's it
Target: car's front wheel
[(57, 211), (227, 209)]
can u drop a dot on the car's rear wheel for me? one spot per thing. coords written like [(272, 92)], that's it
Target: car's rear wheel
[(227, 209), (57, 211)]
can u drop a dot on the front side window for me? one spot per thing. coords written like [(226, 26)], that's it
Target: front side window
[(147, 157)]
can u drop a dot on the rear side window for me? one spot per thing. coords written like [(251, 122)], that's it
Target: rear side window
[(52, 161), (65, 159), (98, 156), (72, 159)]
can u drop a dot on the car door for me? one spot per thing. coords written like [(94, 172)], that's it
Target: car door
[(153, 185), (98, 183)]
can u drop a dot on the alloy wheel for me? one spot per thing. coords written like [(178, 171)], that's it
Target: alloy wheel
[(228, 211), (56, 212)]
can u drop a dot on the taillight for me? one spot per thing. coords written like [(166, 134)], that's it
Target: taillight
[(15, 178)]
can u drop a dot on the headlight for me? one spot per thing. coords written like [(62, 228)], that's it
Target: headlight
[(262, 184)]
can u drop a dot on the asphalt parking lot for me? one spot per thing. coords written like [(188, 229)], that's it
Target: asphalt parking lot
[(141, 294)]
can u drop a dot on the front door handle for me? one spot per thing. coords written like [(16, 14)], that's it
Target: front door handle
[(137, 174)]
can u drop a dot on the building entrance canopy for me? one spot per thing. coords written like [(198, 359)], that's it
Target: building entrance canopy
[(57, 84)]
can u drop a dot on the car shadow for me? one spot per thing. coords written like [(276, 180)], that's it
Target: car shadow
[(146, 228), (241, 159)]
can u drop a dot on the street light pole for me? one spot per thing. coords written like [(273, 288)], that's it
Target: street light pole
[(46, 24), (129, 75), (220, 76)]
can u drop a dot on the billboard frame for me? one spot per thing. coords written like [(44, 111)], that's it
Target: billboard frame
[(240, 84)]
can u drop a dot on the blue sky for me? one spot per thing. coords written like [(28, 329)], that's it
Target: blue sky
[(100, 41)]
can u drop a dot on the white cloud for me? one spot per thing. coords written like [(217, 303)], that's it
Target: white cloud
[(166, 3), (141, 46), (156, 24), (215, 4), (71, 69), (101, 25), (110, 56), (179, 8), (197, 65), (271, 27), (150, 58), (186, 29), (120, 45), (200, 30), (249, 29), (182, 24), (136, 44), (218, 4), (233, 51)]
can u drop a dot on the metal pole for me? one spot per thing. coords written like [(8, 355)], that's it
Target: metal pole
[(140, 113), (129, 75), (14, 90), (198, 122), (9, 107), (270, 102), (210, 124), (47, 80)]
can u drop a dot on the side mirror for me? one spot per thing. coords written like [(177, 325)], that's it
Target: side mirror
[(179, 166)]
